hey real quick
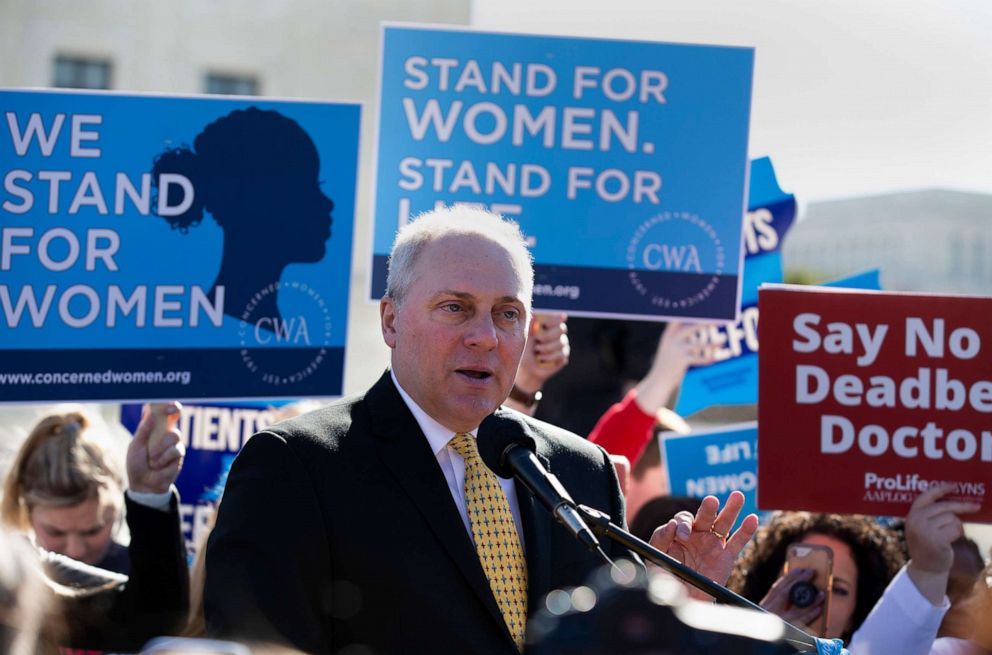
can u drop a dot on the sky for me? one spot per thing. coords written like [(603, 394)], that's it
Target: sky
[(850, 97)]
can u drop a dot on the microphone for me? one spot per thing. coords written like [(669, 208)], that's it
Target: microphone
[(508, 451), (507, 448)]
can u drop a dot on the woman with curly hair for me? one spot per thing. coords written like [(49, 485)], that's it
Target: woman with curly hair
[(879, 604), (866, 556)]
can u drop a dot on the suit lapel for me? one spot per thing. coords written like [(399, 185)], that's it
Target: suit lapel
[(405, 452)]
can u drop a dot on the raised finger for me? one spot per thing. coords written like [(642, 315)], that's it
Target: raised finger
[(743, 534), (166, 461), (553, 322), (144, 428), (706, 515), (687, 330), (546, 347), (548, 321), (957, 507), (168, 440), (701, 356), (728, 515), (930, 496), (935, 510), (949, 527), (663, 536)]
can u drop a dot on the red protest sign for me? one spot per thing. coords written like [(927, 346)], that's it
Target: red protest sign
[(867, 398)]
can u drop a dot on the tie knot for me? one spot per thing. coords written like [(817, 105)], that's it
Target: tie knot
[(464, 444)]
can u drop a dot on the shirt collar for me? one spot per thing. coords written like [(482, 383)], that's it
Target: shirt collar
[(437, 435)]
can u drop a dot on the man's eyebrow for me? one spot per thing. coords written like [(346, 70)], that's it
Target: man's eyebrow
[(464, 295)]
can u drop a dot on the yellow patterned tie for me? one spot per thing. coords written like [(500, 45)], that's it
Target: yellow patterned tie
[(496, 538)]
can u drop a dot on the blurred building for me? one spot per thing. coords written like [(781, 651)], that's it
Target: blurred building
[(933, 240), (323, 49)]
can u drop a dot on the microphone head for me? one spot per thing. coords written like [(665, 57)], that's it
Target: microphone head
[(497, 434)]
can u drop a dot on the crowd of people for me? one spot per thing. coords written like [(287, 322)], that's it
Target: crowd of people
[(374, 525)]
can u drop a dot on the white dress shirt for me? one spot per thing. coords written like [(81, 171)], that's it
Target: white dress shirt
[(954, 646), (903, 621), (151, 499), (452, 464)]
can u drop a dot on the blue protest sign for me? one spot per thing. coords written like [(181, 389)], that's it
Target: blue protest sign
[(714, 463), (733, 379), (624, 162), (213, 436), (173, 247)]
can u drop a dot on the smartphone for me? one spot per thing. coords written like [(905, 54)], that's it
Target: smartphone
[(819, 559)]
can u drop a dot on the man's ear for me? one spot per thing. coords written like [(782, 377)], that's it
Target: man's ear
[(387, 320)]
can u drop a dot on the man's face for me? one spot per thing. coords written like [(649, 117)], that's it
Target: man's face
[(458, 335)]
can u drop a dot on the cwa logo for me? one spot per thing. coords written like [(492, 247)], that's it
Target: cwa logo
[(304, 334), (679, 243), (668, 257), (291, 331)]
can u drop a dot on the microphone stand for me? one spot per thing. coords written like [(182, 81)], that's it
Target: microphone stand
[(600, 524)]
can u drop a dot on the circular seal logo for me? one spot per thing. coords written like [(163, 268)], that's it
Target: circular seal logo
[(285, 348), (679, 243)]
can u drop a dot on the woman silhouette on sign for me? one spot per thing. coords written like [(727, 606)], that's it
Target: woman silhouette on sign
[(256, 172)]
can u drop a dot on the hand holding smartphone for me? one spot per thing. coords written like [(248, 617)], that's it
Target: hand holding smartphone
[(820, 560)]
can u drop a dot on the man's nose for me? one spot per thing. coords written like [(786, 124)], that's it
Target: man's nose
[(482, 332)]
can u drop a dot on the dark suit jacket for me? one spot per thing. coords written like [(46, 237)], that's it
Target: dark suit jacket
[(153, 602), (338, 528)]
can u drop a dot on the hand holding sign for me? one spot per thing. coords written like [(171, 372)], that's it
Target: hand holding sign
[(546, 354), (931, 527), (703, 542), (548, 346), (680, 347), (156, 452)]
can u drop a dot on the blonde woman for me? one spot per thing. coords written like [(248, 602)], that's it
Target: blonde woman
[(64, 490)]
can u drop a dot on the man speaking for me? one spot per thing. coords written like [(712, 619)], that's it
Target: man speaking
[(373, 526)]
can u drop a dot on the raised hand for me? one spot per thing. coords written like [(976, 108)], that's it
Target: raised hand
[(703, 542), (680, 347), (546, 353), (155, 456), (932, 525)]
